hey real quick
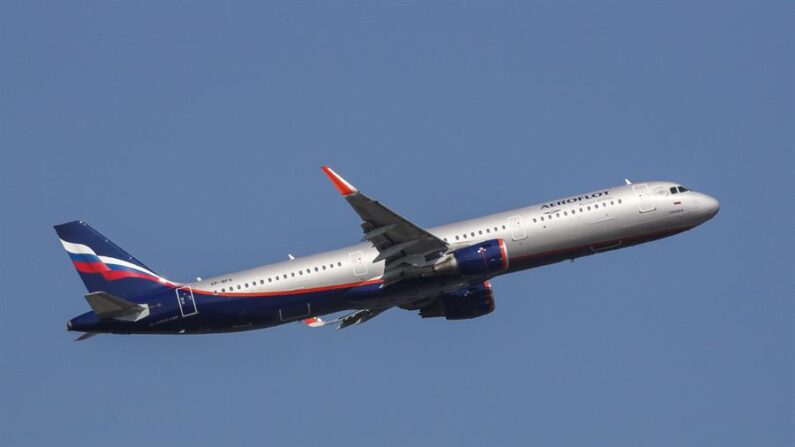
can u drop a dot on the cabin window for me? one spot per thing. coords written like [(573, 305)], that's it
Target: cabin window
[(480, 231), (565, 213), (589, 208), (542, 218), (456, 237), (619, 200), (573, 212), (301, 272), (223, 290), (331, 266), (238, 287), (270, 280), (465, 236), (503, 227), (534, 220), (339, 263), (315, 268)]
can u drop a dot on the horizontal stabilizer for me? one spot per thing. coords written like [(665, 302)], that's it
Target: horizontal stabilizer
[(111, 307)]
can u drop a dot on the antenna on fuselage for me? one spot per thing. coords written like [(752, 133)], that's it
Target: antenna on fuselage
[(626, 180), (290, 256)]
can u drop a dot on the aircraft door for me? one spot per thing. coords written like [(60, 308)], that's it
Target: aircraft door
[(517, 231), (357, 260), (645, 201), (187, 305)]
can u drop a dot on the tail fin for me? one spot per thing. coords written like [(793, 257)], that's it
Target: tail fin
[(104, 266)]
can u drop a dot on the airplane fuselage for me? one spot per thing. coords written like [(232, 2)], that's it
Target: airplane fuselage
[(351, 278)]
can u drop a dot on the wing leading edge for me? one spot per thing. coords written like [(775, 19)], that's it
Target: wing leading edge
[(408, 250)]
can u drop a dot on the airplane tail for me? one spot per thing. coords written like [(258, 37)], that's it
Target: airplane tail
[(104, 266)]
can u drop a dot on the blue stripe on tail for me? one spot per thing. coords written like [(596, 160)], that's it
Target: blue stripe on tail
[(104, 266)]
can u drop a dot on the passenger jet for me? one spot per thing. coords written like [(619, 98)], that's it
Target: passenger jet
[(438, 272)]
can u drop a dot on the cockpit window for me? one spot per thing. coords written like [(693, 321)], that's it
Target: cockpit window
[(673, 189), (682, 188)]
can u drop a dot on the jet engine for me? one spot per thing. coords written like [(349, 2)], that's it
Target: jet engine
[(482, 258), (463, 304)]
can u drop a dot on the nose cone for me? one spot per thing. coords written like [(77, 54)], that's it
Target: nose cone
[(710, 205)]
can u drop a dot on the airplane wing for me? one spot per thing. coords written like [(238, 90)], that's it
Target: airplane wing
[(358, 317), (407, 249)]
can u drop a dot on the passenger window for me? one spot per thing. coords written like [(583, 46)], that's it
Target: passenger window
[(331, 266), (339, 263), (456, 237), (565, 213), (619, 201), (465, 236), (589, 208), (301, 272), (542, 218), (270, 280), (557, 215), (292, 274), (223, 290), (488, 230), (480, 231), (612, 203), (315, 268), (534, 220), (285, 276), (495, 229), (573, 212), (323, 266), (503, 227), (238, 287)]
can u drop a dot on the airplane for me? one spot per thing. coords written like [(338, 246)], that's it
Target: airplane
[(438, 272)]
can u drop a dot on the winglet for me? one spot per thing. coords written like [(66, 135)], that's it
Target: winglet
[(314, 322), (340, 183)]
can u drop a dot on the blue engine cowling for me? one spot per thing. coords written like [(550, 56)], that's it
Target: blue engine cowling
[(464, 304), (482, 258)]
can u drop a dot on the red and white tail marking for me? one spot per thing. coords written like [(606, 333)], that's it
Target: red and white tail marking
[(340, 183)]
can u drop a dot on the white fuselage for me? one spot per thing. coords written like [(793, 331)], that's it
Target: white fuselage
[(535, 235)]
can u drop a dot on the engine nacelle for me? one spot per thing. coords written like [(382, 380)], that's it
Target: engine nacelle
[(482, 258), (462, 305)]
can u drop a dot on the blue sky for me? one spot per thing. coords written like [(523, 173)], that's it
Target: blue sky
[(192, 135)]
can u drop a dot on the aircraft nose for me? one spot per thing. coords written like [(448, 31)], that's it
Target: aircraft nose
[(710, 205)]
